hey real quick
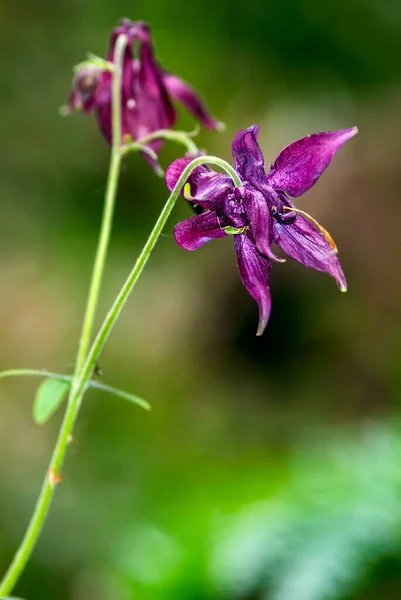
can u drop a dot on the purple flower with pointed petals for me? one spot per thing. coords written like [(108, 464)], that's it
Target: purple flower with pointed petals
[(147, 90), (260, 212)]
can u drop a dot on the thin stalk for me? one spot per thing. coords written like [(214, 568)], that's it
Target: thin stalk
[(47, 491), (181, 137), (81, 383), (108, 210), (83, 380)]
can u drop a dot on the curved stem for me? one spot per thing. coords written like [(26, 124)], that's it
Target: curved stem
[(83, 380), (46, 494), (181, 137)]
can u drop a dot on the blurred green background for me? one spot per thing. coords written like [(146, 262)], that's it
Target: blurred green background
[(269, 468)]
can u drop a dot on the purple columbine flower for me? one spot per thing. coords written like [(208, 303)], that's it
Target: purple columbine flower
[(260, 212), (147, 90)]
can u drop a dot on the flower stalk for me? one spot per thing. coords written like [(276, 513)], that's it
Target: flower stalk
[(86, 360), (46, 494)]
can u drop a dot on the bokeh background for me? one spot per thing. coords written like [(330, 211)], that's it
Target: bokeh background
[(269, 468)]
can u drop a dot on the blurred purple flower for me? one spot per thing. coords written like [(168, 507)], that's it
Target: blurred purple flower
[(147, 90), (260, 212)]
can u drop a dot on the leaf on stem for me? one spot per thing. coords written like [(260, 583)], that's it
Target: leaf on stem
[(67, 381), (120, 394), (50, 394)]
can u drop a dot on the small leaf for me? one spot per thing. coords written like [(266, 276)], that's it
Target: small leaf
[(121, 394), (48, 398)]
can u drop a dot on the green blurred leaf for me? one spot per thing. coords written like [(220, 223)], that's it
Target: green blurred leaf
[(120, 394), (68, 379), (48, 398)]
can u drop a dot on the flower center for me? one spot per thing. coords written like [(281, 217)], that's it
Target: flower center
[(284, 217), (233, 213)]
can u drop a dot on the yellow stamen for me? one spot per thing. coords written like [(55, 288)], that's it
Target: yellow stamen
[(324, 231)]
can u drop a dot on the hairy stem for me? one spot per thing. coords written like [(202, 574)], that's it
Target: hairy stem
[(108, 210), (82, 378), (46, 494), (181, 137)]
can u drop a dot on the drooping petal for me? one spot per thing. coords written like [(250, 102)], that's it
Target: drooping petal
[(260, 221), (205, 186), (303, 242), (103, 116), (300, 164), (146, 106), (248, 157), (192, 233), (90, 89), (127, 28), (175, 170), (184, 93), (255, 274), (150, 79)]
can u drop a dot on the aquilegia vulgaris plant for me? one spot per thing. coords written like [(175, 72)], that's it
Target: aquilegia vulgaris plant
[(132, 95)]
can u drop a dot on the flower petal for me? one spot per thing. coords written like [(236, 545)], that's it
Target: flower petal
[(206, 186), (181, 91), (260, 221), (255, 274), (300, 164), (248, 157), (192, 233), (150, 83), (174, 171), (103, 116), (146, 104), (306, 244), (127, 28)]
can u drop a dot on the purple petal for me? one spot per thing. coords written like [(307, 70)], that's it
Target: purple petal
[(306, 244), (248, 157), (206, 186), (151, 84), (183, 92), (301, 163), (103, 116), (255, 274), (192, 233), (127, 28), (146, 104), (88, 89), (174, 172), (260, 221)]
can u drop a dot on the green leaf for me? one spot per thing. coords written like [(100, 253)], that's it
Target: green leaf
[(68, 379), (9, 598), (120, 394), (48, 398)]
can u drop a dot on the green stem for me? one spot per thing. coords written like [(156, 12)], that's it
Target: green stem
[(46, 494), (83, 380), (108, 210), (181, 137)]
